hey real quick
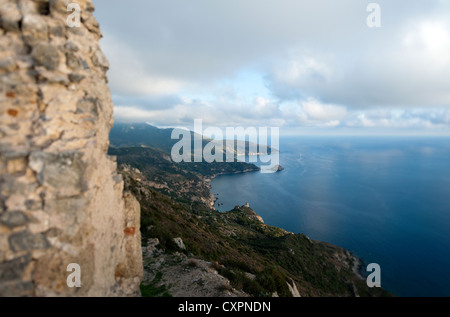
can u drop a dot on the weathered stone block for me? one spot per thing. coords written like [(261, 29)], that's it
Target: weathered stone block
[(50, 273), (46, 55), (76, 78), (27, 241), (17, 289), (7, 64), (99, 60), (63, 172), (34, 29), (14, 269), (13, 219), (56, 28), (88, 106), (10, 16)]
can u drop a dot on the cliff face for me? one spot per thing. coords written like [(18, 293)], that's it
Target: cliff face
[(61, 199)]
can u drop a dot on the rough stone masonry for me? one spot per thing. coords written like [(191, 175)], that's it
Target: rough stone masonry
[(61, 199)]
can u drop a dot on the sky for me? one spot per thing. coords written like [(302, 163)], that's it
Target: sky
[(303, 66)]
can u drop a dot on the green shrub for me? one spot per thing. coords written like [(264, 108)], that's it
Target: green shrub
[(151, 290), (273, 280)]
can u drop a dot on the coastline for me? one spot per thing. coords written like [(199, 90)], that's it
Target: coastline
[(209, 179), (358, 263)]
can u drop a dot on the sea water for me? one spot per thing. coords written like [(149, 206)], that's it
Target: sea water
[(386, 199)]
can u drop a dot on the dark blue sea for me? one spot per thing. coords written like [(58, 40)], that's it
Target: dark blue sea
[(386, 199)]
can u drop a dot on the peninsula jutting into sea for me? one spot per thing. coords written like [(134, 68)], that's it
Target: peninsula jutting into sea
[(180, 228)]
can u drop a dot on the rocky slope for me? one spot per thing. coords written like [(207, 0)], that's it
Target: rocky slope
[(232, 253), (61, 199)]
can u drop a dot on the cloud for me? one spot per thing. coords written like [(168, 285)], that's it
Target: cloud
[(322, 112), (148, 102), (410, 119), (409, 68), (128, 74), (307, 63), (203, 41), (311, 113), (297, 77)]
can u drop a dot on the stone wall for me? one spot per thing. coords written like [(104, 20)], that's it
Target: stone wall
[(61, 199)]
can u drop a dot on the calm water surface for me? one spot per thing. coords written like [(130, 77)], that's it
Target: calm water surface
[(385, 199)]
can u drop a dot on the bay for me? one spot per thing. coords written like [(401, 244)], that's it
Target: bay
[(386, 199)]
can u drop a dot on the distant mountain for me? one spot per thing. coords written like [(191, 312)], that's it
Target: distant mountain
[(141, 134), (148, 148), (146, 135)]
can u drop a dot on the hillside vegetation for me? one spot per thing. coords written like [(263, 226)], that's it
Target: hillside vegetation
[(247, 256)]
